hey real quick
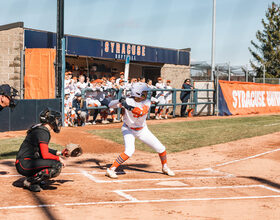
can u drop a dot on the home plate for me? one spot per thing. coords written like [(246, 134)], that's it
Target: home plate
[(171, 183)]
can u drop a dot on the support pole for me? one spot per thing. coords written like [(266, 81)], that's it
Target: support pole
[(213, 40), (22, 65), (59, 37)]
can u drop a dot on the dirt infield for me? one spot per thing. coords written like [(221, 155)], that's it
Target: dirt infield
[(238, 179)]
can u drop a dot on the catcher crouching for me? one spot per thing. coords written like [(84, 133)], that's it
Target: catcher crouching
[(35, 160)]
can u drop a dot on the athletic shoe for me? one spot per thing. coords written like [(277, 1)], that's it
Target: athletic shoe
[(87, 123), (93, 123), (116, 121), (157, 118), (35, 188), (166, 117), (31, 187), (167, 171), (105, 122), (111, 173)]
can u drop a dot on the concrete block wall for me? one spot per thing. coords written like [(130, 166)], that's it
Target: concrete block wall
[(176, 74), (204, 96), (11, 44)]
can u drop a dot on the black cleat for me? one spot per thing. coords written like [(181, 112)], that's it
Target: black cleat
[(35, 188), (31, 187)]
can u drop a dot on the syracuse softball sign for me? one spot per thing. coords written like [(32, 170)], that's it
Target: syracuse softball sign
[(240, 98)]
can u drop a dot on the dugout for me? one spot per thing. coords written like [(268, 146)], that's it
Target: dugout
[(27, 58)]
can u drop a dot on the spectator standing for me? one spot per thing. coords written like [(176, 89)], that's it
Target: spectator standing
[(160, 98), (168, 98), (185, 96)]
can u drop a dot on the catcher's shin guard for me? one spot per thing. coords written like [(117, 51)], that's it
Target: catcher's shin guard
[(46, 174)]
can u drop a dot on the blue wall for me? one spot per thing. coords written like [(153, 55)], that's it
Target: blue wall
[(107, 49), (25, 114)]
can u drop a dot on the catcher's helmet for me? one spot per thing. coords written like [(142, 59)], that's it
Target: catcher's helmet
[(138, 88), (51, 117)]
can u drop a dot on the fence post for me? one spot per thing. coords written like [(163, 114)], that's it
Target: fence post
[(149, 96), (217, 98), (119, 109), (174, 102), (195, 100)]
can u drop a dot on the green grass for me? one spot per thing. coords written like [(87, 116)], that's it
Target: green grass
[(182, 136), (10, 147)]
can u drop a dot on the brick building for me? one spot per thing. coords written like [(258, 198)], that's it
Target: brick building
[(11, 46)]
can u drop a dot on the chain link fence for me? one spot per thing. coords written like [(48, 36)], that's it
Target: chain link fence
[(267, 80)]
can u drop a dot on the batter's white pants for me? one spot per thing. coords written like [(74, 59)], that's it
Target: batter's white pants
[(144, 135)]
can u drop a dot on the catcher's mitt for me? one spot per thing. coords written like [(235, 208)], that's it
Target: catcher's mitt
[(72, 150)]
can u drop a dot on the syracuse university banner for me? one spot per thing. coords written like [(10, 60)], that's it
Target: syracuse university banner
[(241, 98)]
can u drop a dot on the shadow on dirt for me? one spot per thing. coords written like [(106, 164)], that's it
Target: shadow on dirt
[(8, 155), (93, 160), (40, 201), (134, 167), (49, 184), (121, 169), (46, 210), (262, 180), (8, 163)]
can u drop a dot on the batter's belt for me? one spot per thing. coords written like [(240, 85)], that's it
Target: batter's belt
[(135, 129)]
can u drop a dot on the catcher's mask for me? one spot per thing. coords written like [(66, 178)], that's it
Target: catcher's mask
[(51, 117)]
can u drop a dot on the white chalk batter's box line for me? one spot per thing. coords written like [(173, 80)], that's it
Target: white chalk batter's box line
[(131, 199), (124, 193), (190, 170), (159, 172), (96, 180)]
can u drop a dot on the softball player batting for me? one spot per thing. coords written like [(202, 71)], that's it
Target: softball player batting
[(136, 109)]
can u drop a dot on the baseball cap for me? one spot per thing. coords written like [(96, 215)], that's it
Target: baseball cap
[(98, 81)]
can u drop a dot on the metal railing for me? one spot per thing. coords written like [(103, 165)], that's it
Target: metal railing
[(193, 100)]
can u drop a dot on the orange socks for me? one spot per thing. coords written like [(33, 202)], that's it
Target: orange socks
[(163, 158), (120, 159), (123, 157)]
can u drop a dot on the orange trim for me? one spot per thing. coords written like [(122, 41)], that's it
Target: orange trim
[(137, 129), (120, 159), (163, 157)]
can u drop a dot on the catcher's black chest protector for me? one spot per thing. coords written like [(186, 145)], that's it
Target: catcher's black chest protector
[(30, 147)]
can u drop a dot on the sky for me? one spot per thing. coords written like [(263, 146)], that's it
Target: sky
[(174, 24)]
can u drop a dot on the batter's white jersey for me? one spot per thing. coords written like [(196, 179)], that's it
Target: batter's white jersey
[(134, 126), (132, 120)]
